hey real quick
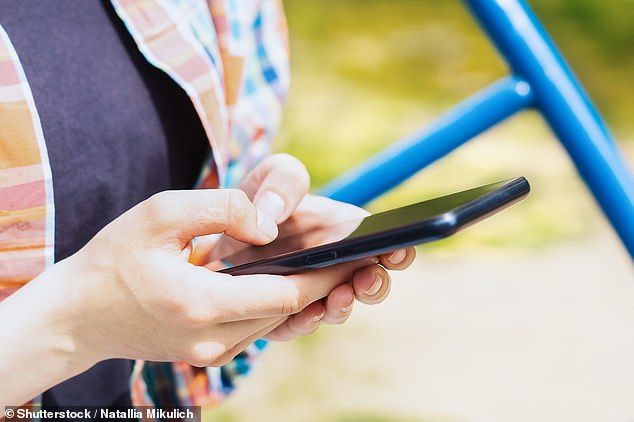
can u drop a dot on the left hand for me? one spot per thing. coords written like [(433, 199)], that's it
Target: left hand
[(278, 187)]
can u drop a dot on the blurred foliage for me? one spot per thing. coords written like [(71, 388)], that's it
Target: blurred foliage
[(368, 72), (433, 51)]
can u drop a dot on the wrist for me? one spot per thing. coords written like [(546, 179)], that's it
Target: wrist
[(43, 331), (64, 316), (70, 308)]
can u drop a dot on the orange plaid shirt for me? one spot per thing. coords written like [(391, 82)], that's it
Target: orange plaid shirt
[(231, 58)]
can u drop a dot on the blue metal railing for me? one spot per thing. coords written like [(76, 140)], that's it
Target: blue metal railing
[(542, 80)]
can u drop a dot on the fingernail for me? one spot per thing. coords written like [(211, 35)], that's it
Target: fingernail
[(376, 286), (271, 204), (397, 257), (346, 309), (267, 226), (318, 318)]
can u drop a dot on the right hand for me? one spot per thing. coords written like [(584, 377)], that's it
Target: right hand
[(135, 295)]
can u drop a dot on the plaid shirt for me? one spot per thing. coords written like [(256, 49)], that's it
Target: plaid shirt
[(231, 58)]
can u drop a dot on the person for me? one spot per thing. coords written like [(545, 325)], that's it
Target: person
[(108, 113)]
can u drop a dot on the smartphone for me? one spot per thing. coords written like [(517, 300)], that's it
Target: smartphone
[(378, 233)]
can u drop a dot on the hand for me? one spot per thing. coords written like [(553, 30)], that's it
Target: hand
[(131, 293), (153, 304), (278, 187)]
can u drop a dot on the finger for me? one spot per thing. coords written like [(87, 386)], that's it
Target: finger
[(301, 324), (230, 354), (203, 248), (339, 304), (179, 216), (277, 185), (236, 332), (399, 259), (222, 342), (234, 298), (371, 284)]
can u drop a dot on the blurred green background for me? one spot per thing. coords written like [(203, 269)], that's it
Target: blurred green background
[(364, 74), (367, 72)]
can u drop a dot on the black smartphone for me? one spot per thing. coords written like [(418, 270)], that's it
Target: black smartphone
[(378, 233)]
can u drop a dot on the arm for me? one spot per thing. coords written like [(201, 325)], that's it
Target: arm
[(40, 342)]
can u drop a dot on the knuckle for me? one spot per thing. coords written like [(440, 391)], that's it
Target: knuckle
[(237, 197), (204, 354), (154, 208), (290, 305), (196, 317), (185, 313), (178, 309), (294, 166), (303, 300), (237, 207), (287, 161)]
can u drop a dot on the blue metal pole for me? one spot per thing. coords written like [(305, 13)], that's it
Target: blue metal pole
[(406, 157), (531, 54)]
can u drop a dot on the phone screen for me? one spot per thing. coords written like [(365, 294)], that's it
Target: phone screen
[(357, 228)]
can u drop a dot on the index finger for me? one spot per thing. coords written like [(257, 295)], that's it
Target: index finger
[(179, 216), (261, 296), (277, 186)]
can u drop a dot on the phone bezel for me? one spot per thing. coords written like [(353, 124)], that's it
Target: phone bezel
[(427, 230)]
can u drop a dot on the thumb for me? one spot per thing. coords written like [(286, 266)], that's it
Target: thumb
[(277, 185), (179, 216)]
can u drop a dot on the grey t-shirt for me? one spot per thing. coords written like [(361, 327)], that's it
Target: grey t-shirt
[(116, 128)]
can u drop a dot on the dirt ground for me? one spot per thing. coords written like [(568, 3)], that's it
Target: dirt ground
[(541, 335)]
